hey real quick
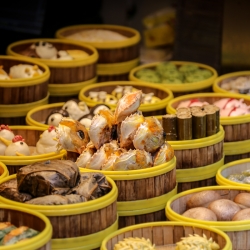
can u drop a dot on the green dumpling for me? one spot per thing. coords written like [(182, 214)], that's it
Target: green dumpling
[(194, 78), (144, 72), (171, 81), (173, 74), (188, 68), (5, 228), (165, 66), (151, 78), (204, 72)]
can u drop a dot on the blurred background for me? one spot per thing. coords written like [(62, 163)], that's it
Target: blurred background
[(214, 32)]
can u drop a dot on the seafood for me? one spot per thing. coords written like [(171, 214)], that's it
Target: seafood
[(102, 155), (128, 129), (5, 135), (197, 242), (72, 135), (133, 159), (164, 154), (134, 243), (102, 128), (150, 135), (86, 155), (108, 165), (127, 105)]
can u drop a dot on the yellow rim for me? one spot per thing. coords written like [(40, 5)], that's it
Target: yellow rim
[(216, 85), (227, 226), (31, 122), (223, 120), (17, 110), (223, 181), (26, 160), (181, 87), (116, 68), (228, 245), (37, 241), (87, 242), (104, 45), (198, 143), (58, 63), (236, 147), (16, 83), (198, 174), (5, 170), (144, 206), (137, 174), (69, 89), (71, 209), (143, 107)]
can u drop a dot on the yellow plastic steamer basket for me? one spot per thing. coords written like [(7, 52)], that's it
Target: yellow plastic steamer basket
[(180, 88), (227, 77), (80, 225), (236, 143), (137, 203), (237, 231), (28, 92), (116, 58), (3, 170), (31, 134), (20, 216), (159, 234), (157, 108), (67, 76), (234, 167)]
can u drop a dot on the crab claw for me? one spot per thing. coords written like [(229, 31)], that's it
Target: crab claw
[(149, 136), (127, 105), (102, 128), (164, 154), (71, 135), (132, 160)]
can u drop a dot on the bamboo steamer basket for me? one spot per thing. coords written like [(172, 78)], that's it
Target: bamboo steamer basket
[(18, 96), (227, 77), (198, 160), (237, 138), (67, 76), (20, 216), (80, 225), (4, 172), (31, 134), (147, 109), (234, 167), (137, 204), (116, 58), (181, 88), (238, 231), (166, 233)]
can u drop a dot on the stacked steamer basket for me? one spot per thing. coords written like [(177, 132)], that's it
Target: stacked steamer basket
[(22, 217), (19, 95), (178, 76), (236, 141), (165, 235), (31, 135), (68, 76), (116, 56), (151, 108), (81, 225), (199, 154), (213, 206)]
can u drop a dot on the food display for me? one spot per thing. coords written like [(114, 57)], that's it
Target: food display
[(20, 71), (10, 234), (46, 50), (192, 122), (55, 182), (209, 205), (168, 72), (240, 84), (118, 92), (119, 140), (229, 107), (97, 35), (15, 145)]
